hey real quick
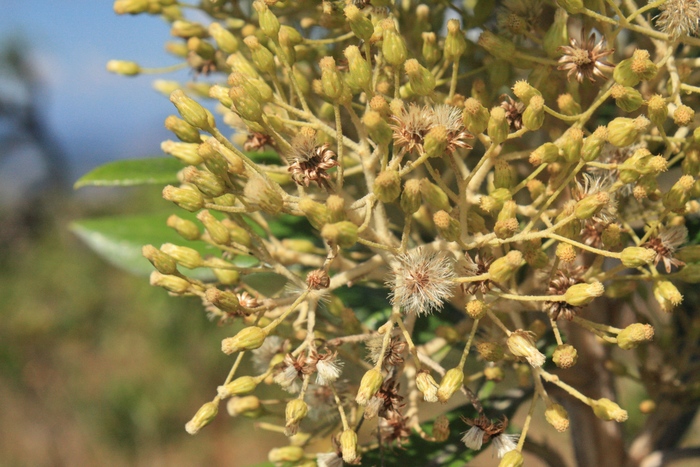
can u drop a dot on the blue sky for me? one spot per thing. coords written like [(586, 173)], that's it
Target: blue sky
[(96, 116)]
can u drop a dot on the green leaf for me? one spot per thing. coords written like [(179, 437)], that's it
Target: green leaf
[(119, 240), (151, 171)]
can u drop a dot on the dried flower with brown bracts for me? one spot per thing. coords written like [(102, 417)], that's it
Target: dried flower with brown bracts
[(257, 142), (451, 118), (421, 281), (386, 402), (393, 356), (394, 428), (292, 369), (679, 17), (328, 367), (514, 112), (560, 283), (585, 58), (665, 244), (318, 279), (476, 267), (247, 300), (310, 160), (482, 430), (410, 127), (598, 184)]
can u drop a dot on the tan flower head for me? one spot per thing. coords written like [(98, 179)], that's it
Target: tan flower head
[(311, 160), (585, 58)]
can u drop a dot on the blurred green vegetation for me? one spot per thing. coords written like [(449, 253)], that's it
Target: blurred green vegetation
[(96, 366)]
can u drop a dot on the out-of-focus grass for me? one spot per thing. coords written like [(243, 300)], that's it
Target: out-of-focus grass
[(96, 366)]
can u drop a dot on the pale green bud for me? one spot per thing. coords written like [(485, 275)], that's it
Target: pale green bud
[(411, 198), (331, 79), (286, 454), (533, 116), (248, 406), (455, 42), (217, 231), (557, 35), (667, 295), (435, 142), (441, 428), (387, 186), (522, 344), (451, 383), (421, 79), (583, 294), (545, 154), (565, 356), (637, 257), (679, 194), (503, 268), (237, 387), (497, 46), (475, 116), (249, 338), (591, 205), (226, 41), (498, 125), (503, 174), (431, 52), (174, 284), (208, 183), (624, 131), (295, 411), (187, 257), (223, 300), (626, 98), (689, 254), (245, 104), (635, 334), (524, 91), (203, 417), (568, 105), (379, 130), (187, 197), (359, 71), (683, 115), (593, 144), (571, 143), (269, 24), (164, 263), (512, 458), (343, 234), (607, 410), (360, 25), (393, 44), (239, 63), (187, 229), (123, 67), (556, 416), (259, 191), (185, 152), (348, 445), (476, 309), (427, 385), (183, 130), (690, 273), (434, 196), (658, 110), (261, 55), (447, 226), (192, 112), (369, 385), (571, 6), (130, 7), (316, 213)]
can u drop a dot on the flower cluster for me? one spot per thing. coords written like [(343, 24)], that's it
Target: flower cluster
[(505, 198)]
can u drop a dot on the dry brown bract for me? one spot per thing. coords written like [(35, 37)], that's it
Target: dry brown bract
[(585, 58), (314, 167)]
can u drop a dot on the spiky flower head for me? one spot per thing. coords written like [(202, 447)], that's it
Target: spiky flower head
[(665, 244), (563, 279), (422, 280), (310, 161), (585, 58), (679, 17)]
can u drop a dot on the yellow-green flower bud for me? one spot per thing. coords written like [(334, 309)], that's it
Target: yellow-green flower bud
[(557, 35), (522, 344), (434, 196), (497, 46), (626, 98), (393, 44), (187, 197), (503, 174), (635, 334), (261, 55), (565, 356), (410, 198), (642, 65), (593, 144), (435, 142), (667, 295), (208, 183), (583, 294), (239, 63), (556, 416), (591, 205), (191, 111), (533, 116), (679, 194), (259, 192), (223, 300), (245, 104), (248, 406), (183, 130), (498, 125), (476, 309), (455, 42), (286, 454), (683, 115), (269, 24), (187, 229), (348, 445), (379, 130), (217, 231), (607, 410), (226, 41), (295, 412), (568, 105), (343, 234), (185, 152), (183, 255), (123, 67), (387, 186), (624, 131), (624, 75), (421, 79), (475, 116), (451, 383), (512, 458), (447, 226), (249, 338), (571, 6), (331, 79), (637, 257), (359, 75), (571, 143), (503, 268), (187, 29), (164, 263), (130, 7), (658, 110), (360, 25), (202, 418), (238, 386), (369, 385), (316, 213), (545, 154), (427, 385), (524, 91), (431, 52), (336, 208)]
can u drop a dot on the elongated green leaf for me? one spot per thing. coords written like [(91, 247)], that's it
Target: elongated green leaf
[(119, 240), (129, 172)]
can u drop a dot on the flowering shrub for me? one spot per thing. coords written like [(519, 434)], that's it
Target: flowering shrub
[(459, 199)]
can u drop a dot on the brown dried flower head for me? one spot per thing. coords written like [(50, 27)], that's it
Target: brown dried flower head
[(311, 160), (563, 279), (584, 58), (665, 244)]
